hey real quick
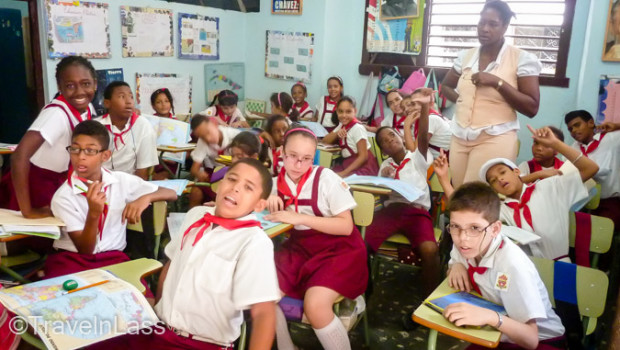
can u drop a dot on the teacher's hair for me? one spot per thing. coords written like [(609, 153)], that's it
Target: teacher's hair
[(505, 13)]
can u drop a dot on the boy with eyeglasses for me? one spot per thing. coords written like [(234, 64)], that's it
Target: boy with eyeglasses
[(484, 260), (95, 204)]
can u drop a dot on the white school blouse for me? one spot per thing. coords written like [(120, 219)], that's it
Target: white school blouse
[(354, 135), (210, 284), (237, 116), (607, 157), (206, 153), (413, 173)]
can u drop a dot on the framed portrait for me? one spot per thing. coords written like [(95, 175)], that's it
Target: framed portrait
[(286, 7), (611, 46), (398, 9)]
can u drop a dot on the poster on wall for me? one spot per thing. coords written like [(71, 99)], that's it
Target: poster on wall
[(397, 9), (611, 49), (199, 37), (286, 7), (105, 77), (224, 76), (401, 36), (146, 32), (288, 55), (180, 88), (77, 28), (608, 100)]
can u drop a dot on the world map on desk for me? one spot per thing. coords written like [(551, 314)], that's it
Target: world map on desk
[(35, 292)]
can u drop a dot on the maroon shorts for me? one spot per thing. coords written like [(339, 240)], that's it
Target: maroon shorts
[(155, 338), (415, 223), (609, 208)]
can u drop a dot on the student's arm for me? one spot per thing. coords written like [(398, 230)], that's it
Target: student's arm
[(20, 168), (448, 85), (539, 175), (525, 98), (86, 240), (315, 116), (586, 166), (440, 165), (371, 128), (360, 160), (142, 173), (267, 136), (240, 124), (263, 325), (609, 126), (339, 225), (197, 172), (410, 143), (522, 334), (133, 210), (160, 282), (331, 138)]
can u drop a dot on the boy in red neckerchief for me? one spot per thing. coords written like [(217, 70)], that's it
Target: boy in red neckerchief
[(544, 163), (604, 149)]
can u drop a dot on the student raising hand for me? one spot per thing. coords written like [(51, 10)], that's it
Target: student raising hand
[(442, 168), (544, 136), (609, 127)]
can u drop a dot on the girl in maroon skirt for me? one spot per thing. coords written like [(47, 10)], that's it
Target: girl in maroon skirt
[(40, 163), (351, 135), (325, 256)]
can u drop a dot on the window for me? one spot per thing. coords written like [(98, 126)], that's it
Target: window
[(541, 27)]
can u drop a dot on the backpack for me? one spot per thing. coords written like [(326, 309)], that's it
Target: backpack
[(390, 79)]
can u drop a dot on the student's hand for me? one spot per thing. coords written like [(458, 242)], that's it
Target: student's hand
[(458, 277), (410, 120), (423, 95), (96, 198), (343, 174), (484, 79), (203, 176), (342, 133), (285, 216), (37, 213), (274, 203), (544, 136), (464, 314), (609, 127), (134, 210), (236, 125), (543, 174), (209, 204), (440, 164), (388, 171)]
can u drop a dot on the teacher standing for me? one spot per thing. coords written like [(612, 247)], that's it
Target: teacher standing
[(489, 84)]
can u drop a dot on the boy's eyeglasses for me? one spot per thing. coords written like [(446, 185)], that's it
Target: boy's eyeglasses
[(472, 232), (87, 151), (301, 160)]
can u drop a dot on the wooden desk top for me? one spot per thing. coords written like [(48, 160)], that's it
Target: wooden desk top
[(132, 271), (278, 230), (13, 238), (6, 151), (426, 316), (173, 149), (382, 191)]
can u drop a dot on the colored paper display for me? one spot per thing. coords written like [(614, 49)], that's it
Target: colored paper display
[(105, 77), (77, 28), (609, 100), (146, 32), (224, 76), (401, 36), (180, 88), (288, 55), (199, 37), (286, 7)]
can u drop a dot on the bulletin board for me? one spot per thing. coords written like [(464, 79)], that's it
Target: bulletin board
[(224, 76), (401, 36), (105, 77), (199, 37), (146, 32), (180, 88), (77, 28), (288, 55), (608, 100)]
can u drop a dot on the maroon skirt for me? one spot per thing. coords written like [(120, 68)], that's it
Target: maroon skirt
[(310, 258), (158, 337), (370, 168), (42, 183)]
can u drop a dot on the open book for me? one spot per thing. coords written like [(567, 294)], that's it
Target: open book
[(72, 320), (408, 191), (318, 129), (171, 132), (13, 222), (439, 304)]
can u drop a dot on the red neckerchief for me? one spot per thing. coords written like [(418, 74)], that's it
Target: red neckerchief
[(327, 100), (275, 155), (119, 135), (224, 117), (343, 141), (593, 146), (286, 191), (400, 167), (104, 213), (62, 103), (398, 124), (480, 270), (522, 204), (303, 107), (171, 116), (535, 166), (208, 219)]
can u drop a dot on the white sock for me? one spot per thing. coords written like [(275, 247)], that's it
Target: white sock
[(333, 336), (283, 337)]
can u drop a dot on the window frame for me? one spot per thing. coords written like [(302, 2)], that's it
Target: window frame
[(374, 61)]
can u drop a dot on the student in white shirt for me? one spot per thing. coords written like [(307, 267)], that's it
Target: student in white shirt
[(133, 141), (224, 108), (299, 93), (392, 99), (95, 204), (604, 149), (482, 259), (213, 140), (327, 105), (544, 162)]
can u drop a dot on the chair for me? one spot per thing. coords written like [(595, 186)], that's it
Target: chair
[(376, 150), (601, 236), (595, 200), (160, 210), (583, 286), (10, 264)]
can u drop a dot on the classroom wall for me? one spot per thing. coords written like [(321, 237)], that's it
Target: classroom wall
[(22, 6)]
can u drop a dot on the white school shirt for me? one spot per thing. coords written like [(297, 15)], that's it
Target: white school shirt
[(354, 135), (210, 284), (549, 204), (528, 65), (206, 153), (54, 127), (71, 207), (607, 157), (333, 194), (237, 116), (320, 107), (441, 133), (139, 150), (523, 295), (413, 173), (304, 111)]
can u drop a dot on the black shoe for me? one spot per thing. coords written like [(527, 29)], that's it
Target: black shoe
[(408, 323)]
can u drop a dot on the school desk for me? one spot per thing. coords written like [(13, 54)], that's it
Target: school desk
[(278, 230), (381, 191), (426, 316), (134, 270), (256, 119), (172, 149), (327, 155)]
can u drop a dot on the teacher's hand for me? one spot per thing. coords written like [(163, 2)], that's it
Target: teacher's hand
[(484, 79)]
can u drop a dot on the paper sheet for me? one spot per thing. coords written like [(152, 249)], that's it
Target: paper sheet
[(146, 32), (318, 129), (180, 87), (288, 55), (12, 217), (175, 221), (522, 237), (177, 185), (406, 190), (199, 37)]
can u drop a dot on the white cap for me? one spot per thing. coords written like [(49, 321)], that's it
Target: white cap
[(490, 163)]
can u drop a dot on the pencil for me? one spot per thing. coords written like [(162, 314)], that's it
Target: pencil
[(88, 286)]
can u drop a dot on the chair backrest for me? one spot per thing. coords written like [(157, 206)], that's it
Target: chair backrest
[(160, 211), (574, 284), (376, 150), (365, 209), (602, 233), (594, 201), (255, 106)]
